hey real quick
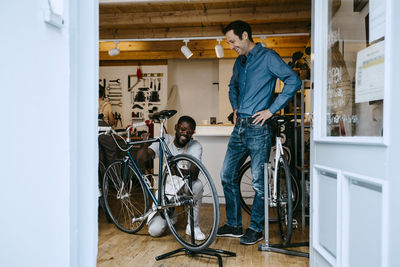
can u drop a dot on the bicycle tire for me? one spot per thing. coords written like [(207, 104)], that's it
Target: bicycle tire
[(123, 200), (178, 217), (284, 202), (247, 193), (100, 172), (245, 187)]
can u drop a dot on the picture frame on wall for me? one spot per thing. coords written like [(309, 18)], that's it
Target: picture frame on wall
[(358, 5)]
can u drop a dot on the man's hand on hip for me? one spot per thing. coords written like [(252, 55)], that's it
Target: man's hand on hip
[(261, 116)]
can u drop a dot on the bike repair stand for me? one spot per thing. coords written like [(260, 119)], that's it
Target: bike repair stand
[(207, 251), (277, 247)]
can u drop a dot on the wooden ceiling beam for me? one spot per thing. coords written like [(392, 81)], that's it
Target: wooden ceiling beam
[(278, 6), (272, 42), (199, 17), (165, 55), (171, 2), (181, 32)]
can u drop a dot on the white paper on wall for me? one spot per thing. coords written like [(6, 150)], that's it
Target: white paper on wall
[(370, 73), (377, 19)]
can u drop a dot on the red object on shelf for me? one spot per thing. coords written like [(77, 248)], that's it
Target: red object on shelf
[(139, 73), (150, 125)]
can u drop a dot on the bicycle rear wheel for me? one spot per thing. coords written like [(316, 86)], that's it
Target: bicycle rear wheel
[(125, 196), (190, 199), (284, 201)]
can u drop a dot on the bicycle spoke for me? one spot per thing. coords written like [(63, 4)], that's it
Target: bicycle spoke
[(124, 200), (195, 197)]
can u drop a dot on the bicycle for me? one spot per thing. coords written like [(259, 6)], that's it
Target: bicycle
[(281, 184), (126, 192)]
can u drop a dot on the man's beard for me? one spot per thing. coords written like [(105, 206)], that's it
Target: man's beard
[(181, 142)]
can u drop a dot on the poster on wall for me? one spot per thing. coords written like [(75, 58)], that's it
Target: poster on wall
[(377, 19), (370, 73)]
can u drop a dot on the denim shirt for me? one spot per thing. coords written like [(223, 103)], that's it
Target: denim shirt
[(252, 85)]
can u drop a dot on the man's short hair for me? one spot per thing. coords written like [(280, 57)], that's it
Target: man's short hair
[(189, 120), (238, 27)]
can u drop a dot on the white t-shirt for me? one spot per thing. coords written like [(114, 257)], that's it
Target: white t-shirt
[(193, 148)]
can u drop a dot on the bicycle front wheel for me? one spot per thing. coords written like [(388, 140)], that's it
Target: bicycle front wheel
[(245, 188), (125, 196), (247, 191), (284, 201), (193, 202)]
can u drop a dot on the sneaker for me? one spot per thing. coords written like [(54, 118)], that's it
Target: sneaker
[(251, 237), (231, 231), (198, 234)]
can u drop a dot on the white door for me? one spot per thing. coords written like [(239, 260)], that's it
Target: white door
[(353, 137)]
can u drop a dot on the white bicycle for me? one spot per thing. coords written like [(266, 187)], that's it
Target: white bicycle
[(282, 183)]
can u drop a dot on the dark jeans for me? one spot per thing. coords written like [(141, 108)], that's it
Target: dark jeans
[(107, 147), (246, 139)]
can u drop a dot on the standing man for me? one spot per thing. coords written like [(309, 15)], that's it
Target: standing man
[(181, 143), (251, 91)]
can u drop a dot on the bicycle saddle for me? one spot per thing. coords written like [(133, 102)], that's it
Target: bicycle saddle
[(163, 114), (279, 119)]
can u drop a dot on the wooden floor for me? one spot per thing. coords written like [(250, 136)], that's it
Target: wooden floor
[(116, 248)]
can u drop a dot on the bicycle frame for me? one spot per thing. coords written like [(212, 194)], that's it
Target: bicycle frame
[(164, 154), (278, 154)]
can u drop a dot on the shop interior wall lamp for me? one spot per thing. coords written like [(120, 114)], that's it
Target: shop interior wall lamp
[(185, 49), (115, 51), (219, 50)]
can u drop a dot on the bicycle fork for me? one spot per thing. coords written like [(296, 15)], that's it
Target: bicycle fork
[(120, 193), (278, 155)]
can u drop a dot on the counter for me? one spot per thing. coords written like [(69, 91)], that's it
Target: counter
[(214, 130), (214, 139)]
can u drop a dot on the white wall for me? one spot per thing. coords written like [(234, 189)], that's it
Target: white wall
[(191, 90), (225, 74), (36, 146)]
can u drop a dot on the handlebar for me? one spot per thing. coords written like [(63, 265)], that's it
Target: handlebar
[(158, 116), (110, 130), (128, 130)]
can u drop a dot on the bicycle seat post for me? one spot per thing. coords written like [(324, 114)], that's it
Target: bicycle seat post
[(128, 138), (162, 120)]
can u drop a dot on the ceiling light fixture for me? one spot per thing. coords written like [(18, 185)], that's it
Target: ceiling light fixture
[(219, 50), (185, 49), (115, 51)]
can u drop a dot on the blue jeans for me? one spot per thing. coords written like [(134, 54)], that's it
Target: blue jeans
[(246, 139)]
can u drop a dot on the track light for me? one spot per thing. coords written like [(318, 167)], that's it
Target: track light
[(185, 49), (115, 51), (219, 50), (262, 37)]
